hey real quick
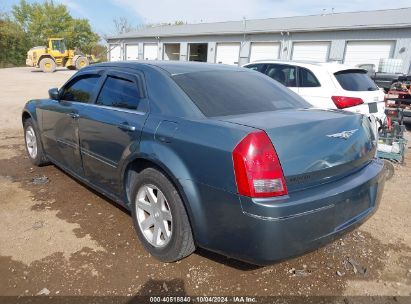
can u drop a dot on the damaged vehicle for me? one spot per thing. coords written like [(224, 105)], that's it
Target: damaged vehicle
[(210, 156)]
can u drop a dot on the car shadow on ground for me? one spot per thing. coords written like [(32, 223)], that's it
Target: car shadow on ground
[(216, 257)]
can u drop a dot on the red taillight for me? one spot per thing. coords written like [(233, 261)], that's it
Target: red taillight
[(392, 113), (258, 171), (343, 102)]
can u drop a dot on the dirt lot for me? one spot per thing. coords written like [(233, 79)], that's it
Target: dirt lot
[(66, 238)]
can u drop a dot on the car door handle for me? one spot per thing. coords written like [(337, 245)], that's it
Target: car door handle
[(126, 127), (73, 115)]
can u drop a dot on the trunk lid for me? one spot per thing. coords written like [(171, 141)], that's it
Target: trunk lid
[(314, 146)]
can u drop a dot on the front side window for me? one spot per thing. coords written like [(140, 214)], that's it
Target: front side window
[(81, 89), (307, 79), (284, 74), (58, 45), (119, 93)]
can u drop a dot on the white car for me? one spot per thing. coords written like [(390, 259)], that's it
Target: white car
[(328, 85)]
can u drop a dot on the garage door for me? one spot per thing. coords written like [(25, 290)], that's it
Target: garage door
[(115, 52), (311, 51), (360, 52), (263, 50), (228, 53), (131, 51), (150, 51)]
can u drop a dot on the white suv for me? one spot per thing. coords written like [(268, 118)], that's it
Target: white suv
[(327, 85)]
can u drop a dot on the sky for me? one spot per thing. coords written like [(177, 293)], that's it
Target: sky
[(102, 12)]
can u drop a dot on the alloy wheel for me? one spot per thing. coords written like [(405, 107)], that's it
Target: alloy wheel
[(31, 142), (154, 215)]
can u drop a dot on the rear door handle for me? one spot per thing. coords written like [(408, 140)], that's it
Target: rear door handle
[(126, 127), (73, 115)]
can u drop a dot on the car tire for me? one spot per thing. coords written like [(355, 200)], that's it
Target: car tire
[(175, 239), (47, 65), (34, 147)]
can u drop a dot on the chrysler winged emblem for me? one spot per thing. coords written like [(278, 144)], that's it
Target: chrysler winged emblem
[(343, 134)]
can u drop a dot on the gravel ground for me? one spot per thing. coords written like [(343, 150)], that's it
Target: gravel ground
[(62, 238)]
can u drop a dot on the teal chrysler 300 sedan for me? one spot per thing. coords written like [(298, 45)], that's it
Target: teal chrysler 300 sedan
[(210, 156)]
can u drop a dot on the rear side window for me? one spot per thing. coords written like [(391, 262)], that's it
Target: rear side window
[(119, 93), (307, 79), (256, 67), (81, 89), (355, 80), (225, 93), (284, 74)]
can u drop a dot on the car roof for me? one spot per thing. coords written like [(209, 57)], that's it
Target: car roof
[(332, 67), (171, 67)]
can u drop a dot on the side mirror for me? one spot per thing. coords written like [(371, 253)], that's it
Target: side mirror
[(54, 93)]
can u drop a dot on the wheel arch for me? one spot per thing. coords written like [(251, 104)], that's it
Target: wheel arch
[(29, 112), (139, 163), (25, 115), (45, 56)]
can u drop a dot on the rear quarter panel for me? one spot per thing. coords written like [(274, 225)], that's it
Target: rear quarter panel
[(198, 160), (199, 150)]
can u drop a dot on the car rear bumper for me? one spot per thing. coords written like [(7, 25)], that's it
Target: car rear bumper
[(272, 229), (365, 109)]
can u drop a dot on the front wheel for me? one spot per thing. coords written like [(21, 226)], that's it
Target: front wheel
[(34, 148), (159, 216)]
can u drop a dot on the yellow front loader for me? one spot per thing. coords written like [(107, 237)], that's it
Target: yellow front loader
[(56, 55)]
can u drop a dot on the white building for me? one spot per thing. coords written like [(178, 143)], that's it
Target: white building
[(352, 38)]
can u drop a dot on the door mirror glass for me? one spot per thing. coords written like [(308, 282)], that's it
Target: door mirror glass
[(54, 93)]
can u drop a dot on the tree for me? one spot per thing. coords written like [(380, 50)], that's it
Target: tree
[(123, 25), (43, 20), (13, 42), (79, 34), (100, 51)]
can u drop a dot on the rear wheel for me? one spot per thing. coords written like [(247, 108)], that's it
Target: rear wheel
[(159, 216), (389, 170), (81, 62), (34, 148), (47, 65)]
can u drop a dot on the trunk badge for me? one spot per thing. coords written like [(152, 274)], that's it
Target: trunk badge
[(344, 134)]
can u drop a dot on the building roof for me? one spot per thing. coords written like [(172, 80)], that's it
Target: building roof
[(393, 18)]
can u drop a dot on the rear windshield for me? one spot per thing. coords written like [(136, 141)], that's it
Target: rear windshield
[(355, 80), (222, 93)]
